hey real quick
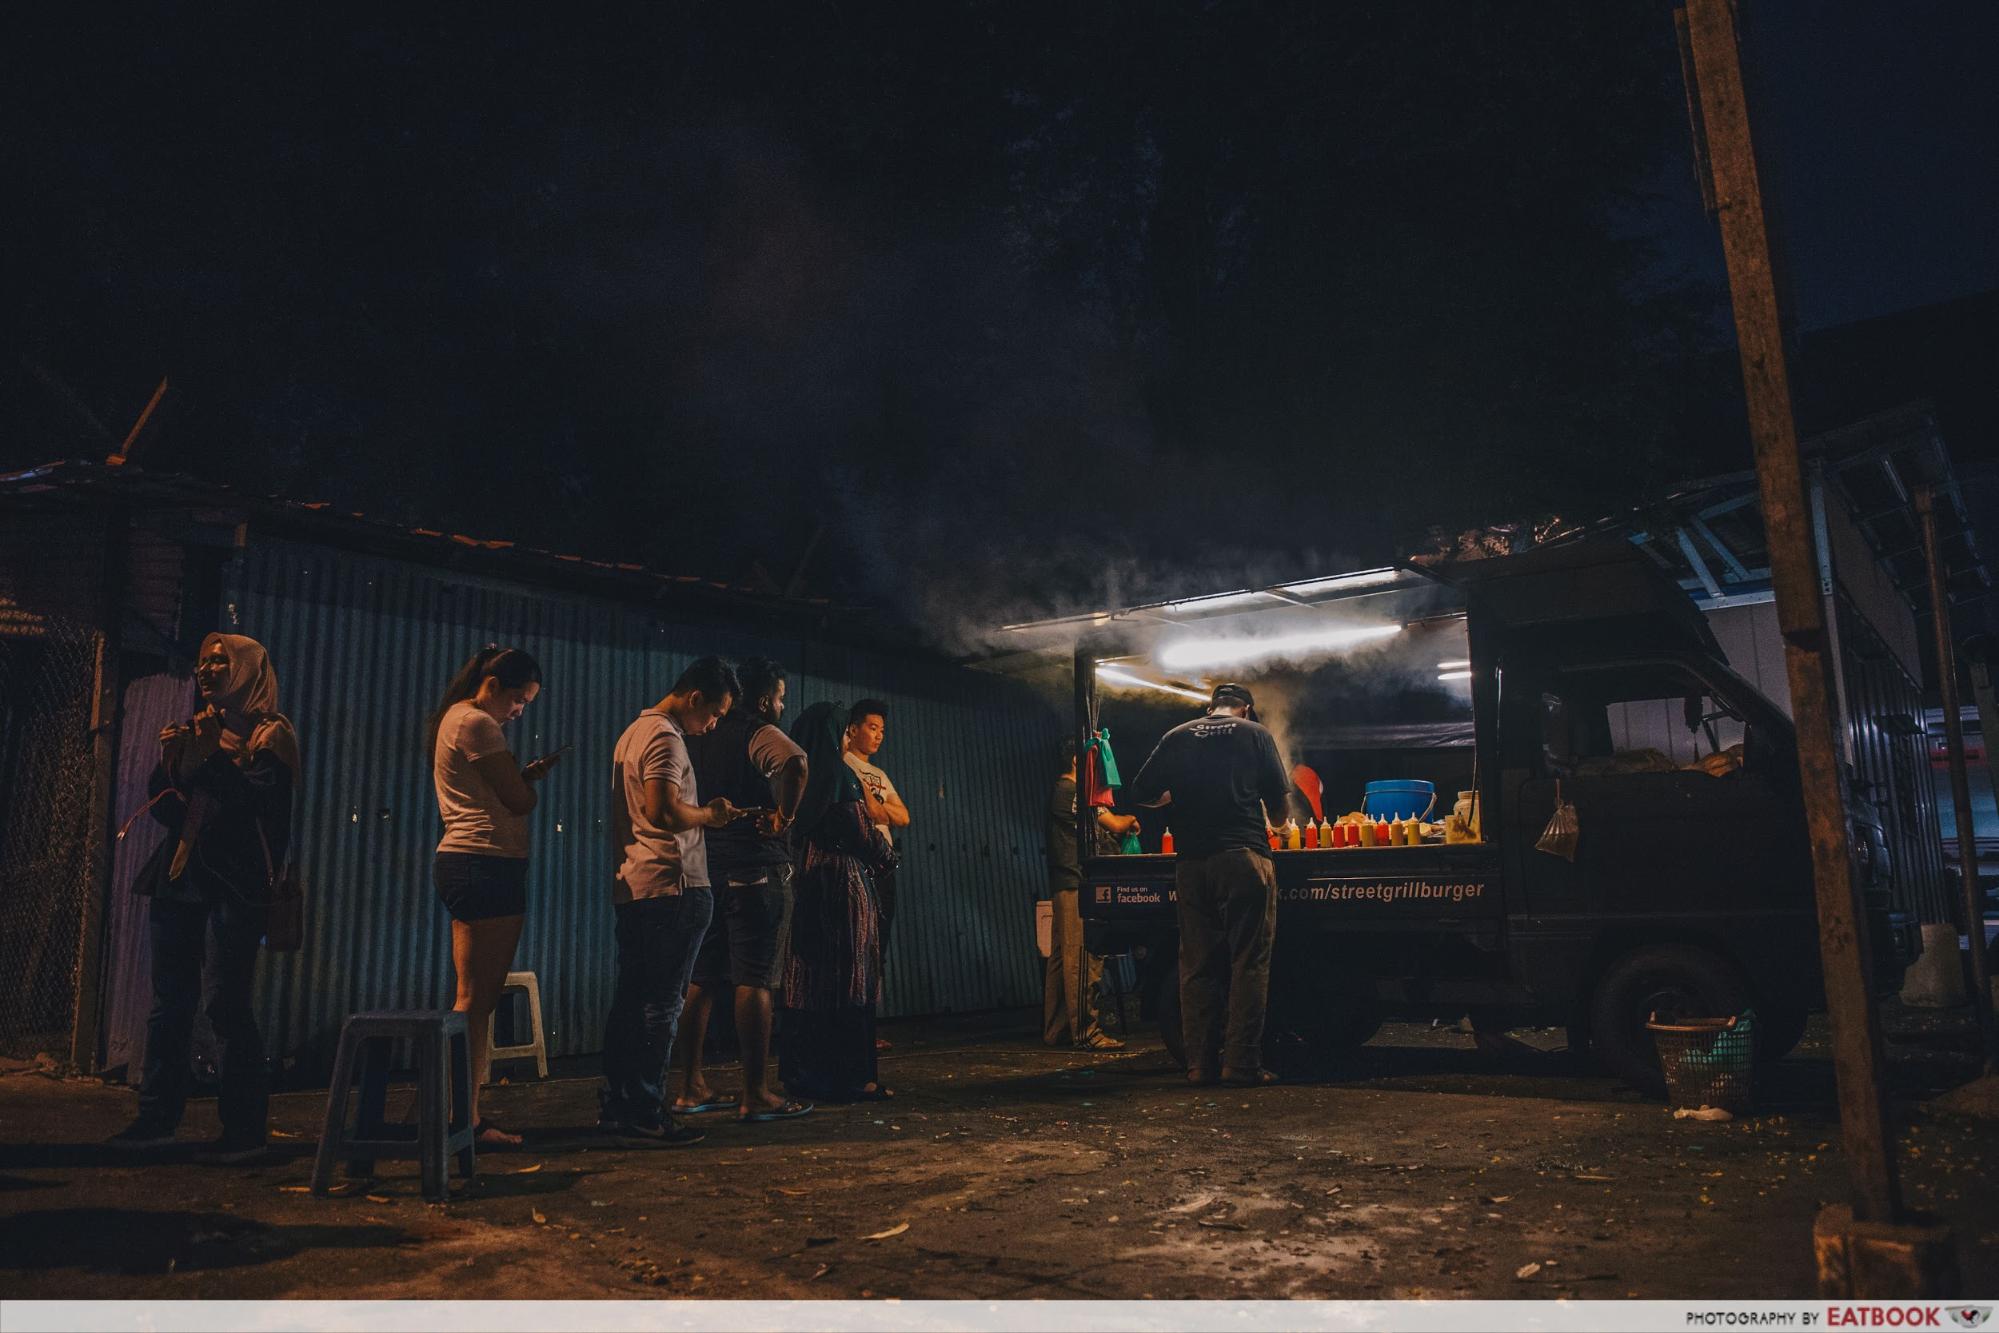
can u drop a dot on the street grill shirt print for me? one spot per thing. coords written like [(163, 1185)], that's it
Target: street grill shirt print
[(1222, 773)]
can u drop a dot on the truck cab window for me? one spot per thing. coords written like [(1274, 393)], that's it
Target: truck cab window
[(1641, 718)]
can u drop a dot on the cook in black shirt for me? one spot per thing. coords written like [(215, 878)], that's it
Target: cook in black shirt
[(1218, 775)]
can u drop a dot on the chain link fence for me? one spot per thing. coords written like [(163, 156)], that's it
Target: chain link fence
[(46, 674)]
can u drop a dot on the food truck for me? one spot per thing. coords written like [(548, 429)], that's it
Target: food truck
[(1574, 677)]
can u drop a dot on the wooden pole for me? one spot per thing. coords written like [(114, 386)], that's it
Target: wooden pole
[(1972, 901), (1801, 614)]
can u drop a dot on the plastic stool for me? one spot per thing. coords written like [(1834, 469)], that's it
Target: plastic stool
[(443, 1049), (538, 1045)]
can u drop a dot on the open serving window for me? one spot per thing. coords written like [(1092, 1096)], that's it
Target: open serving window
[(1366, 679)]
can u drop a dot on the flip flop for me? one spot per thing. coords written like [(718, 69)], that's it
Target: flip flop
[(697, 1108), (789, 1111)]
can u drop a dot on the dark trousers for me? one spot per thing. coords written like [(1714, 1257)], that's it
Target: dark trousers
[(225, 934), (1228, 922), (658, 939)]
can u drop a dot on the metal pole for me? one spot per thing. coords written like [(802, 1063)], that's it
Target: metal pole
[(1972, 901), (106, 714), (1843, 945)]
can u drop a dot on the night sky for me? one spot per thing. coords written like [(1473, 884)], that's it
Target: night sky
[(1015, 304)]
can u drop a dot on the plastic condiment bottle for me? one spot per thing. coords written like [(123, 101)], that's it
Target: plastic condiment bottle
[(1294, 837), (1166, 843), (1311, 835), (1276, 840), (1382, 837), (1367, 833), (1413, 834)]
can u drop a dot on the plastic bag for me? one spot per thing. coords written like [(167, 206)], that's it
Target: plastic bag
[(1563, 831)]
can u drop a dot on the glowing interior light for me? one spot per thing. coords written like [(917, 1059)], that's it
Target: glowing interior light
[(1213, 601), (1453, 666), (1364, 578), (1113, 674), (1454, 675), (1217, 652)]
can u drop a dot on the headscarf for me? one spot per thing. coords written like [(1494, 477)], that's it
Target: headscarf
[(252, 690), (820, 731)]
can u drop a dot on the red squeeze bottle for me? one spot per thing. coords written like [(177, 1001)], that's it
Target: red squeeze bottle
[(1275, 841), (1166, 843), (1311, 835), (1380, 832)]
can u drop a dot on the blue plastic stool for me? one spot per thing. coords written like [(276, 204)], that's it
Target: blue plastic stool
[(443, 1050)]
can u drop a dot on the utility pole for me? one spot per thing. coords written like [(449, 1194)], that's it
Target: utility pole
[(1972, 900), (1865, 1248)]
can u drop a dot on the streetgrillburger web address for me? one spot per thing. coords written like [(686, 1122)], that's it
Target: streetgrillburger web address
[(1384, 891), (1320, 891)]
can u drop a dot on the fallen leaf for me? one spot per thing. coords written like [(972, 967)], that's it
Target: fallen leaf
[(528, 1170), (824, 1269), (1593, 1176), (793, 1193), (895, 1230), (1526, 1271), (376, 1198), (1498, 1198), (539, 1218), (294, 1189)]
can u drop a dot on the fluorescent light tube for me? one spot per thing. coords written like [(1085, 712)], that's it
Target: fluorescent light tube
[(1190, 653)]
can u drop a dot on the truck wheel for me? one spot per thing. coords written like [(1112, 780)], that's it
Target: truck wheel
[(1307, 1039), (1170, 1031), (1672, 980)]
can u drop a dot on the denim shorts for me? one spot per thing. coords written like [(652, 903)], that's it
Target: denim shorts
[(750, 934), (476, 887)]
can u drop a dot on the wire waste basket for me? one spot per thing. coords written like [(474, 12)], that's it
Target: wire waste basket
[(1708, 1062)]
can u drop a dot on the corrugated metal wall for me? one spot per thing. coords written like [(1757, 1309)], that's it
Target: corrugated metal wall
[(363, 646), (1891, 756)]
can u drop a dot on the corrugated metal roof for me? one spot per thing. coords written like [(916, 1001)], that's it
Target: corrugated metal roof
[(64, 482)]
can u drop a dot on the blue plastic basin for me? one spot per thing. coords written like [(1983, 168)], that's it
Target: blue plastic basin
[(1410, 798)]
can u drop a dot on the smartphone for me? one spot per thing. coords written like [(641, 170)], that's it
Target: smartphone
[(553, 754)]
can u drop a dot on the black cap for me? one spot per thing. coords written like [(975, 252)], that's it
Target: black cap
[(1229, 693)]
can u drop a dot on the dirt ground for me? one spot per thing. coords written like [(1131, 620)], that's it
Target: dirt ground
[(1007, 1170)]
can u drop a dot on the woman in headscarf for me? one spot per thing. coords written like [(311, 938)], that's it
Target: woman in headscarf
[(223, 790), (833, 979)]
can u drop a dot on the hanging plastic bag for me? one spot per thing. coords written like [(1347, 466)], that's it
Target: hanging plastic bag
[(1563, 831), (1100, 777)]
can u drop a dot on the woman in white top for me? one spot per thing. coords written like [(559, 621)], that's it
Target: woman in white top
[(484, 797)]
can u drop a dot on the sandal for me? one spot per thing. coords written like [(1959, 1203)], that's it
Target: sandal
[(874, 1092), (501, 1141), (790, 1110), (698, 1108), (1255, 1078)]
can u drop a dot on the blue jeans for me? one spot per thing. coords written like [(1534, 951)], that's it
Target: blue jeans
[(658, 939), (226, 934)]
